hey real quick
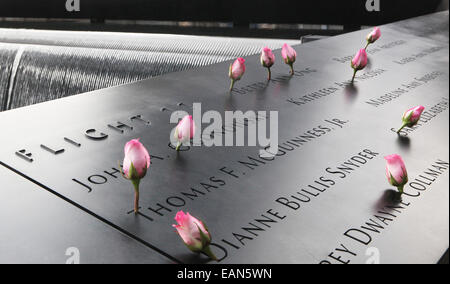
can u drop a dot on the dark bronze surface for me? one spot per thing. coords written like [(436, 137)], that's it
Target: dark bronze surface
[(417, 233), (38, 227)]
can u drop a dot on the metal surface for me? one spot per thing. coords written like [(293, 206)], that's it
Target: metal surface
[(56, 64), (7, 55), (38, 227), (432, 27), (417, 232)]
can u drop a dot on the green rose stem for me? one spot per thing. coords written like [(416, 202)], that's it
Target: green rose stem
[(367, 45), (292, 68), (136, 183), (354, 75), (401, 189), (401, 128), (232, 85), (270, 74), (178, 146), (209, 253), (206, 241)]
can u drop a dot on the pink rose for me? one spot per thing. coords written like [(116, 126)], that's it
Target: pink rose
[(185, 130), (267, 57), (374, 35), (411, 117), (236, 71), (289, 56), (359, 62), (193, 233), (135, 165), (136, 161), (396, 171)]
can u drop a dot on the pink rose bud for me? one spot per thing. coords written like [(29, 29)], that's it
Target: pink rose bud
[(396, 171), (185, 130), (194, 234), (237, 70), (136, 161), (411, 117), (135, 165), (289, 56), (373, 36), (267, 59), (359, 62)]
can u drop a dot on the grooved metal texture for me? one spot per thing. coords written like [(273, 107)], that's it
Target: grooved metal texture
[(58, 64), (7, 54), (166, 43)]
